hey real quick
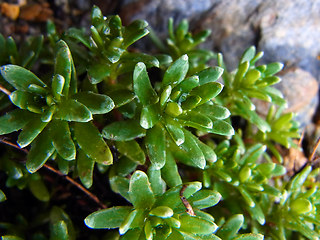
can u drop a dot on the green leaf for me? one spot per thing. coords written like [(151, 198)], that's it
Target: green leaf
[(204, 199), (150, 115), (192, 152), (19, 77), (273, 68), (63, 64), (213, 110), (85, 166), (14, 120), (157, 184), (170, 172), (210, 74), (196, 120), (123, 131), (221, 127), (80, 35), (11, 237), (40, 152), (107, 218), (173, 109), (2, 196), (98, 71), (132, 150), (121, 97), (61, 139), (250, 236), (140, 192), (162, 212), (135, 31), (252, 154), (242, 70), (59, 231), (142, 86), (231, 227), (155, 142), (248, 54), (256, 213), (207, 91), (187, 84), (96, 103), (196, 225), (176, 72), (57, 85), (30, 131), (175, 131), (171, 197), (92, 143), (134, 219), (299, 179), (38, 188), (72, 110)]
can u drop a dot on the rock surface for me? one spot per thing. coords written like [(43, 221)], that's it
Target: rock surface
[(287, 31)]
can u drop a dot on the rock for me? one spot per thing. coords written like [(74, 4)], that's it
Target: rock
[(287, 31)]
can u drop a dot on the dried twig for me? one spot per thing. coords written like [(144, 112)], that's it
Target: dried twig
[(185, 201), (4, 90), (73, 182)]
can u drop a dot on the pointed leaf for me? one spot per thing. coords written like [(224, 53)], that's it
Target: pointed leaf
[(123, 131), (30, 132), (107, 218), (221, 127), (96, 103), (156, 146), (72, 110), (176, 72), (19, 77), (40, 152), (2, 196), (92, 143), (121, 97), (140, 191), (61, 139), (142, 86), (248, 55)]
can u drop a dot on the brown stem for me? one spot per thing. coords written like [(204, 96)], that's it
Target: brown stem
[(4, 90), (73, 182)]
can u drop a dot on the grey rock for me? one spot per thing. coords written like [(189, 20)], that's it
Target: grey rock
[(286, 31)]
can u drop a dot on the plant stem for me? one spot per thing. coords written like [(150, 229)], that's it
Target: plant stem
[(73, 182), (4, 90)]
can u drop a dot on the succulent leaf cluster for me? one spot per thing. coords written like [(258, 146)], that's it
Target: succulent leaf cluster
[(156, 131)]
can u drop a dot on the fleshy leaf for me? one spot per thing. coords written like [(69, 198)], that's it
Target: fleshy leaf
[(61, 139), (156, 145), (162, 212), (210, 75), (20, 77), (176, 72), (140, 192), (40, 152), (107, 218), (92, 143), (196, 225), (30, 132), (96, 103), (14, 120), (142, 86), (132, 150), (72, 110), (85, 167), (123, 131)]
